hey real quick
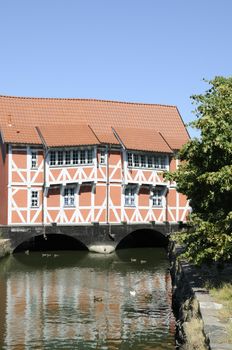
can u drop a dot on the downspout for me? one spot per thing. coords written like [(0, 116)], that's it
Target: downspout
[(107, 183), (166, 209), (45, 153)]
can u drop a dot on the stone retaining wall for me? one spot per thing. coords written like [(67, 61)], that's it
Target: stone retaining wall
[(5, 247), (189, 326), (198, 324)]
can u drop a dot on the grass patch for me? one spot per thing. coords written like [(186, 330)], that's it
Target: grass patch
[(223, 295), (195, 337)]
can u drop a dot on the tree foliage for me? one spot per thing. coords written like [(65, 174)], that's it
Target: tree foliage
[(205, 175)]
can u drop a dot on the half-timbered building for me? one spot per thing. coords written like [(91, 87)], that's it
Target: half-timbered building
[(77, 161)]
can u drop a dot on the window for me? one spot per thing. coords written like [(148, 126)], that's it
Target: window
[(136, 160), (34, 160), (130, 193), (160, 162), (89, 156), (53, 158), (147, 161), (130, 159), (143, 161), (60, 157), (67, 157), (69, 197), (71, 157), (82, 156), (34, 199), (157, 162), (150, 162), (163, 162), (102, 156), (75, 157), (157, 197)]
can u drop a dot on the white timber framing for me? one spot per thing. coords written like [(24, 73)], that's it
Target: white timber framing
[(25, 185), (119, 176), (9, 184)]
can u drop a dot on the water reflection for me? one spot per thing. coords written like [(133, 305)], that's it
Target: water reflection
[(78, 300)]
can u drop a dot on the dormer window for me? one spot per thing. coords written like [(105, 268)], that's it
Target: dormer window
[(147, 161), (71, 157)]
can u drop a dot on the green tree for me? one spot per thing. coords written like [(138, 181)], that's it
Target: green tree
[(205, 175)]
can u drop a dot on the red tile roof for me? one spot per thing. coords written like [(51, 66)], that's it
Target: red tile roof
[(100, 115), (107, 138), (25, 134), (68, 135), (142, 139)]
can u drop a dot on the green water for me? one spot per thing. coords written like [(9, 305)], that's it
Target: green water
[(79, 300)]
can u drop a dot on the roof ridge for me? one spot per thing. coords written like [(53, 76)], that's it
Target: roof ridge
[(86, 99)]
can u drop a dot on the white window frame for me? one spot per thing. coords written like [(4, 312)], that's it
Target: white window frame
[(69, 197), (143, 161), (34, 198), (34, 161), (130, 198), (103, 154), (136, 156), (53, 161), (60, 157), (88, 153), (66, 157), (148, 161), (157, 196), (130, 159), (77, 157)]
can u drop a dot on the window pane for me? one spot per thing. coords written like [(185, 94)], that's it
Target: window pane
[(150, 161), (34, 160), (130, 193), (69, 197), (75, 157), (157, 162), (130, 159), (82, 156), (136, 160), (67, 157), (60, 158), (157, 197), (163, 162), (103, 156), (143, 161), (89, 156), (52, 158), (34, 199)]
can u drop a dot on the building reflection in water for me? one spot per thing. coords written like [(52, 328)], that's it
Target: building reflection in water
[(87, 307)]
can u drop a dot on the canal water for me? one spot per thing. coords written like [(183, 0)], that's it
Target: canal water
[(80, 300)]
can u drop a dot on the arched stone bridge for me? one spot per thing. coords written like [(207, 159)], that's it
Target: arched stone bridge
[(98, 238)]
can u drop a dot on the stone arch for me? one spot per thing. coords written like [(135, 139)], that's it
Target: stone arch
[(51, 241), (143, 237)]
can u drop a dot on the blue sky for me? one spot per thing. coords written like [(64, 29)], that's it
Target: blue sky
[(129, 50)]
